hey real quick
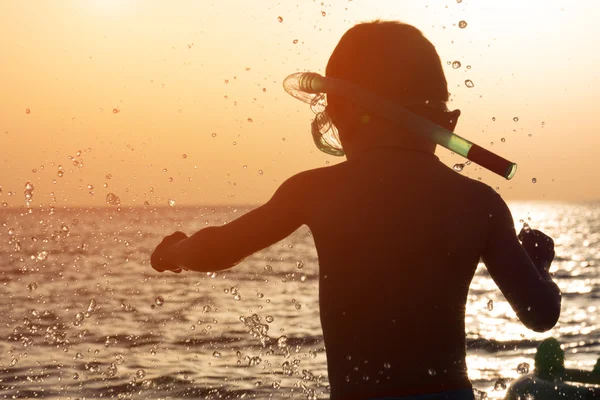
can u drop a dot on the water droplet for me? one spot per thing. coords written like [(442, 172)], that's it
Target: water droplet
[(490, 305), (295, 42), (469, 83), (79, 317), (280, 19), (216, 354), (213, 134), (503, 140), (269, 318), (516, 119), (432, 372), (500, 385), (323, 13), (494, 119), (140, 373), (113, 199), (456, 64), (462, 24), (184, 156), (27, 111), (282, 341), (260, 171), (481, 395), (116, 111), (458, 167), (534, 180), (250, 119), (91, 307), (523, 368), (159, 301)]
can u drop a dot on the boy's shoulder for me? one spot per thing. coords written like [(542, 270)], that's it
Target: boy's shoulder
[(316, 175), (473, 191), (304, 185)]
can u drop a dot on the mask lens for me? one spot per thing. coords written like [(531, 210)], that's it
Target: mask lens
[(325, 135), (318, 104)]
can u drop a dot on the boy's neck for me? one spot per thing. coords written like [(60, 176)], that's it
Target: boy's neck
[(369, 141)]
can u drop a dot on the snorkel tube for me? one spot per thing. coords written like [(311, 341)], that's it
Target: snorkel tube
[(308, 86)]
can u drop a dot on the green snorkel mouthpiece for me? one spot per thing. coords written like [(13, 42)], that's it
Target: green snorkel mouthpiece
[(311, 88)]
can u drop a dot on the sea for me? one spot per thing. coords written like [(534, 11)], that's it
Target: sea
[(83, 315)]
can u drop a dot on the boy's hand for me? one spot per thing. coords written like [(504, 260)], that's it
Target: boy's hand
[(160, 259), (539, 246)]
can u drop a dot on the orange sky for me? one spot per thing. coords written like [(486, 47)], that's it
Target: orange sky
[(179, 72)]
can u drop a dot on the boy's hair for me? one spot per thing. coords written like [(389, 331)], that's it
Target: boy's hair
[(392, 59)]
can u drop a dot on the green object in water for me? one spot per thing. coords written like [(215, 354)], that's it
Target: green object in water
[(550, 358)]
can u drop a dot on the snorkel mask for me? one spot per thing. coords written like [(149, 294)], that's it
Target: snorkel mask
[(312, 88)]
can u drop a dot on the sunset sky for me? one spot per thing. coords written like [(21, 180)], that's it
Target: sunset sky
[(182, 100)]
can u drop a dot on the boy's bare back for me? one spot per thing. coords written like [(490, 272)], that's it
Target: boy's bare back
[(399, 236)]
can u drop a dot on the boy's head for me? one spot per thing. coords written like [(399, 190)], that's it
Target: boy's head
[(395, 61)]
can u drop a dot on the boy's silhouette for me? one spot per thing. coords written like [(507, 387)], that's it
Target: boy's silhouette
[(398, 234)]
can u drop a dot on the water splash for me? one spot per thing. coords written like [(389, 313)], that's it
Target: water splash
[(523, 368), (113, 199), (28, 193)]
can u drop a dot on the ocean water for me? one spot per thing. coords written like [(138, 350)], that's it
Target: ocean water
[(84, 316)]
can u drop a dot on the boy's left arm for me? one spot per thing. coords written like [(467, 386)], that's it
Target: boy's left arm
[(218, 248)]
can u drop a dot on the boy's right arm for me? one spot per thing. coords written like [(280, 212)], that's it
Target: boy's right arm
[(221, 247), (523, 278)]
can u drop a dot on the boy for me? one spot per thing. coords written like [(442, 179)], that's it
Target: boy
[(398, 234)]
